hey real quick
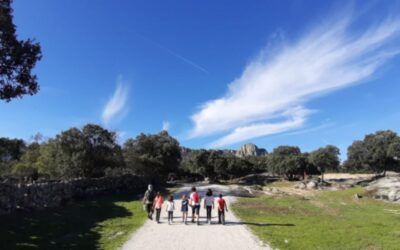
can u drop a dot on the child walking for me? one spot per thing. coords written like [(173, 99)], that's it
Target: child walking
[(209, 204), (158, 201), (221, 209), (170, 209), (184, 208)]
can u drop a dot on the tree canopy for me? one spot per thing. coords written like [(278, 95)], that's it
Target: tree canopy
[(11, 150), (215, 164), (93, 151), (325, 158), (85, 152), (152, 155), (17, 58), (287, 161), (377, 153)]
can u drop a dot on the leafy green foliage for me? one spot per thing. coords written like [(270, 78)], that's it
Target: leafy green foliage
[(199, 162), (26, 166), (215, 164), (72, 153), (152, 155), (326, 158), (87, 152), (11, 150), (377, 153), (93, 152), (287, 161), (17, 58)]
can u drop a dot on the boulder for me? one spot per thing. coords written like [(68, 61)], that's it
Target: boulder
[(255, 179), (386, 188), (312, 184), (394, 195), (272, 191), (300, 185)]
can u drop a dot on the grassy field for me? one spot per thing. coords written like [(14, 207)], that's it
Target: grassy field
[(328, 220), (104, 223)]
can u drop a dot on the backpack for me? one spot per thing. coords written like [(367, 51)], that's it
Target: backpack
[(196, 198)]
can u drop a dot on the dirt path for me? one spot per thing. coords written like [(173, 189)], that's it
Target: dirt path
[(234, 235)]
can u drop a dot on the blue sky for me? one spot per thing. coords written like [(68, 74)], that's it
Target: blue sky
[(214, 73)]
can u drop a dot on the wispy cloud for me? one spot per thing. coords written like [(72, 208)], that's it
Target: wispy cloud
[(166, 125), (277, 87), (310, 130), (296, 118), (116, 106)]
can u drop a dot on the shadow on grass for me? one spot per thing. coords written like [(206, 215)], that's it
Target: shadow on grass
[(70, 227), (231, 223)]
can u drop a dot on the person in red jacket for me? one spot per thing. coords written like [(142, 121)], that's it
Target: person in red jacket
[(158, 202), (195, 204), (221, 209)]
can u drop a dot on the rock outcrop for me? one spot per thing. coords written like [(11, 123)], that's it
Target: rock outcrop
[(255, 179), (250, 150), (386, 188)]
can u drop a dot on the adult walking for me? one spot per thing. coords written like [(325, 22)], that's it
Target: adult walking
[(148, 200), (209, 204), (195, 203)]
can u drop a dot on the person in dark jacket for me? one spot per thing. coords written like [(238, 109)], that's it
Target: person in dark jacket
[(148, 200)]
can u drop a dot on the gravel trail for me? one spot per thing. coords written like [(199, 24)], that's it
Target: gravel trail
[(178, 236)]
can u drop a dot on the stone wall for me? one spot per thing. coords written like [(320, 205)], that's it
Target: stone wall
[(56, 193)]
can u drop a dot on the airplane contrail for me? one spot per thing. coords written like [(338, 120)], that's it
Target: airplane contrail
[(173, 53)]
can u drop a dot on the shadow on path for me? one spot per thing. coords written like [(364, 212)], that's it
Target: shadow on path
[(70, 227), (233, 223)]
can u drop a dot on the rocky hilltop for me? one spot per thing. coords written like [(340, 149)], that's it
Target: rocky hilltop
[(250, 150)]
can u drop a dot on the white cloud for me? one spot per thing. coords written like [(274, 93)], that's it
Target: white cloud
[(166, 125), (295, 118), (329, 57), (116, 106)]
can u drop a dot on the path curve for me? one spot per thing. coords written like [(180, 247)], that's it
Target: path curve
[(179, 236)]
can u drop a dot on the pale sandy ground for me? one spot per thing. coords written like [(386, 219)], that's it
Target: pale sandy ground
[(330, 176), (233, 235)]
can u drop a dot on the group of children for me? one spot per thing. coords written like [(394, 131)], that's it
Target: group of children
[(194, 201)]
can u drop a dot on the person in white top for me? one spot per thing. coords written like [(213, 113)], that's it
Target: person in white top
[(209, 204), (170, 209)]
